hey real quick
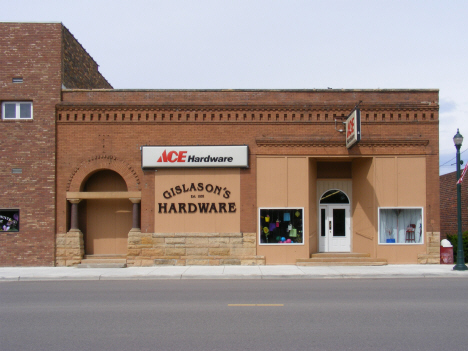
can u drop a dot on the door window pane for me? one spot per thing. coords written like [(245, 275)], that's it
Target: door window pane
[(323, 222), (339, 222)]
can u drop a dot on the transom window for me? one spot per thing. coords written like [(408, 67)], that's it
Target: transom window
[(334, 197), (17, 110)]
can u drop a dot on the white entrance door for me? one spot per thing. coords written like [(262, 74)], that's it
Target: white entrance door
[(334, 228)]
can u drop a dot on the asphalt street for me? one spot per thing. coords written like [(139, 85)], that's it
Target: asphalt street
[(235, 314)]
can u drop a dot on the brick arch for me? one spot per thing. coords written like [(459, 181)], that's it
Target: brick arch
[(100, 162)]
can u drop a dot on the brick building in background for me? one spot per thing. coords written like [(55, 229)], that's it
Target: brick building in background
[(448, 204), (37, 61), (207, 176)]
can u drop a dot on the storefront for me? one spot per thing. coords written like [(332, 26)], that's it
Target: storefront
[(248, 177), (209, 177)]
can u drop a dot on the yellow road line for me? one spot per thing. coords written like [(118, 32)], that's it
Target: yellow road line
[(255, 305)]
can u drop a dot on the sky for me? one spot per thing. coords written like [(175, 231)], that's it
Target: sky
[(272, 44)]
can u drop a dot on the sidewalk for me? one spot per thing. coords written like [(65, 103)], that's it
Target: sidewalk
[(228, 272)]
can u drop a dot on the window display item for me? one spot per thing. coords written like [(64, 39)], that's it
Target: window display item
[(281, 226), (398, 225)]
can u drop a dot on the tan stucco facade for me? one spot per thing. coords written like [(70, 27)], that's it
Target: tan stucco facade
[(374, 182)]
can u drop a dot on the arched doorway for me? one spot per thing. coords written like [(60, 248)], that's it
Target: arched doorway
[(334, 222), (107, 220)]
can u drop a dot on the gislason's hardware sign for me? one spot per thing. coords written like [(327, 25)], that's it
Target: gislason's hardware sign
[(194, 156)]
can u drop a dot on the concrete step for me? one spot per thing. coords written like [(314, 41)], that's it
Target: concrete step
[(339, 254), (341, 259), (372, 263), (103, 262), (209, 260)]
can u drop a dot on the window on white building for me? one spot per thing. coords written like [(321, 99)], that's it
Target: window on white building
[(17, 110)]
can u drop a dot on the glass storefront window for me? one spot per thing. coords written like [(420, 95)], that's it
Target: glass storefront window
[(281, 226), (401, 226)]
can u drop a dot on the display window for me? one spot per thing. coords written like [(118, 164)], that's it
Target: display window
[(401, 226), (9, 220), (281, 226)]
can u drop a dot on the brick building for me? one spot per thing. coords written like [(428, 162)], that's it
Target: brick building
[(38, 61), (207, 176), (448, 204)]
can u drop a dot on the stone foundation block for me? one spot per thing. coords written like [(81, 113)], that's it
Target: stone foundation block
[(197, 242), (230, 261), (220, 251), (174, 252), (169, 241), (218, 242), (147, 240), (165, 262), (236, 241), (147, 263), (133, 252), (60, 263), (196, 251), (70, 263), (152, 252), (197, 262), (243, 251), (159, 241)]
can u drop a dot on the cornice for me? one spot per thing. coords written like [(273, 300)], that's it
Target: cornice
[(181, 107), (323, 142)]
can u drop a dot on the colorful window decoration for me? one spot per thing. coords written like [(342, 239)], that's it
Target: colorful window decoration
[(281, 226), (9, 220)]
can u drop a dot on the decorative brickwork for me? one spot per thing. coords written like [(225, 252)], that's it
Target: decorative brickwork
[(99, 162)]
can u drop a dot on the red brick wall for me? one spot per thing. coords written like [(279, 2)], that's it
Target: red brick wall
[(31, 51), (118, 123), (80, 71), (42, 54), (448, 204)]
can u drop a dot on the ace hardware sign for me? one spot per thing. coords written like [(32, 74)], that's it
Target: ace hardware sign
[(353, 128), (194, 156)]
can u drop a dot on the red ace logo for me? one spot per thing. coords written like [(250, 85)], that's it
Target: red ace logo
[(350, 129), (173, 156)]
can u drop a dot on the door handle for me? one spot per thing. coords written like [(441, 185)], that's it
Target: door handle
[(329, 225)]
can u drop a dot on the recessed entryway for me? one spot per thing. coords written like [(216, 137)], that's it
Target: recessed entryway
[(334, 224)]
